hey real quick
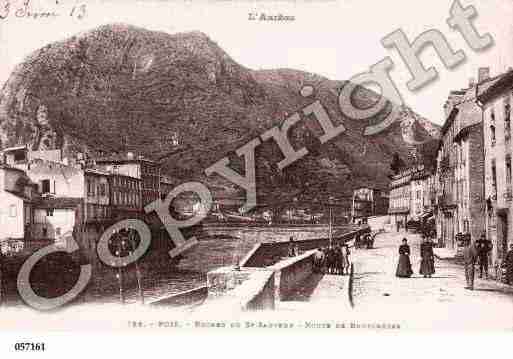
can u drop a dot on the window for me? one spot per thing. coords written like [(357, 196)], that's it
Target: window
[(49, 212), (494, 178), (58, 231), (102, 189), (508, 170), (90, 188), (492, 134), (12, 210), (507, 122), (45, 186)]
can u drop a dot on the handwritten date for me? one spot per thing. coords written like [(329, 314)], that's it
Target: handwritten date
[(26, 9)]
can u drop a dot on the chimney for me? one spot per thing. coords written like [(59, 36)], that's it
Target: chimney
[(130, 155), (483, 74)]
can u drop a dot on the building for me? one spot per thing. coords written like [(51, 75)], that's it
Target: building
[(411, 195), (20, 156), (369, 202), (148, 171), (56, 218), (495, 97), (17, 196), (166, 186), (125, 196), (460, 167), (400, 199)]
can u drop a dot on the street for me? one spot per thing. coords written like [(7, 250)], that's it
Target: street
[(440, 302)]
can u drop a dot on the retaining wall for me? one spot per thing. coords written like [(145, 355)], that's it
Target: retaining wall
[(267, 254), (290, 272)]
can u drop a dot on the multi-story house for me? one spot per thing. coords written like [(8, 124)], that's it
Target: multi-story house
[(17, 197), (125, 196), (411, 193), (71, 197), (460, 167), (148, 171), (496, 98), (369, 202), (400, 199)]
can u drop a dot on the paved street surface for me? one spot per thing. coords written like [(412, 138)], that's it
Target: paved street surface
[(319, 291), (439, 302), (379, 297)]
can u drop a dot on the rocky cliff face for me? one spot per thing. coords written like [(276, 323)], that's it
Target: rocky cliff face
[(181, 99)]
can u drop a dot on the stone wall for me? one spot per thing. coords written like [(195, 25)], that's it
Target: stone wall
[(291, 272), (240, 289), (267, 254)]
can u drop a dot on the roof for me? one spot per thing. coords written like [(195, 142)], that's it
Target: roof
[(123, 159), (466, 108), (96, 171), (492, 89), (15, 148), (10, 168), (19, 195), (59, 203)]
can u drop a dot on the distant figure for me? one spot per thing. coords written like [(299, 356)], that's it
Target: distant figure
[(1, 269), (330, 260), (318, 260), (339, 260), (345, 258), (357, 241), (368, 241), (293, 248), (484, 247), (404, 266), (508, 260), (427, 263), (469, 258)]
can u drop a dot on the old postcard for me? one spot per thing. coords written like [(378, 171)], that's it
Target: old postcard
[(255, 165)]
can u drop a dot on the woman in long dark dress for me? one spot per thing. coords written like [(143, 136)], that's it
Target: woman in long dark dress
[(427, 263), (404, 266), (509, 265)]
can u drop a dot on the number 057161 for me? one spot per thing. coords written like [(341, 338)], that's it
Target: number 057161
[(29, 347)]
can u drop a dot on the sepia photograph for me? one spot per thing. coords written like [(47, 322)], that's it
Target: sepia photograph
[(292, 166)]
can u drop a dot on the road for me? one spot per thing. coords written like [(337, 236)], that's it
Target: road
[(439, 302)]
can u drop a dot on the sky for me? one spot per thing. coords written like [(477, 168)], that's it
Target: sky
[(336, 39)]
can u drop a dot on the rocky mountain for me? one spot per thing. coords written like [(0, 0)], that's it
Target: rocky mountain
[(181, 99)]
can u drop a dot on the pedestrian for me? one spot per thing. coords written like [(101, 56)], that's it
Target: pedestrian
[(330, 260), (1, 279), (318, 260), (427, 263), (508, 260), (484, 246), (469, 258), (339, 260), (404, 265), (292, 248), (368, 241), (345, 258)]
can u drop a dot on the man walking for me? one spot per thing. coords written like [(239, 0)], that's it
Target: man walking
[(469, 257), (484, 247)]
